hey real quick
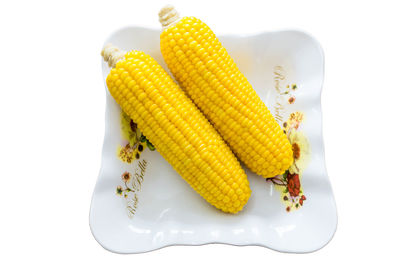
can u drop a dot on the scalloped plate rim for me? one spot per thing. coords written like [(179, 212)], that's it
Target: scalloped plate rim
[(194, 243)]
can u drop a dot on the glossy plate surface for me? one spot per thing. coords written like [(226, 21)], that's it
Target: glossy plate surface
[(142, 204)]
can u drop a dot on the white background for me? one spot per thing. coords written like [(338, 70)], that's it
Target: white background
[(52, 106)]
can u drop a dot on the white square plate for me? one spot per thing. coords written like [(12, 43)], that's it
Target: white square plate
[(286, 68)]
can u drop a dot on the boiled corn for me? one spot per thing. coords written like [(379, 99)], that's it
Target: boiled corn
[(178, 130), (212, 80)]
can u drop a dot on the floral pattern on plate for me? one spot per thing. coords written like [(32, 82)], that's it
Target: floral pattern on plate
[(134, 144)]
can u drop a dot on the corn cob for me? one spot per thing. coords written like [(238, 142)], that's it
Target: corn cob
[(212, 80), (178, 130)]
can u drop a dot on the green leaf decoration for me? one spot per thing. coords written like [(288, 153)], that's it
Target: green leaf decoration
[(150, 145)]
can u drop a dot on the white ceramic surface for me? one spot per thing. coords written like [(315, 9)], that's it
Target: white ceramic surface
[(169, 212)]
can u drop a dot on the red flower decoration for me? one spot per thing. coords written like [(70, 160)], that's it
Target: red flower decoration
[(293, 184)]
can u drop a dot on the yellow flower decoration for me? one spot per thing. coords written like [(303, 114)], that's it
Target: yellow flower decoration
[(126, 153), (129, 129), (137, 142), (293, 122), (301, 151)]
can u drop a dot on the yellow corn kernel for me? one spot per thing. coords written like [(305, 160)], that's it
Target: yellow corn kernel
[(212, 80), (178, 130)]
